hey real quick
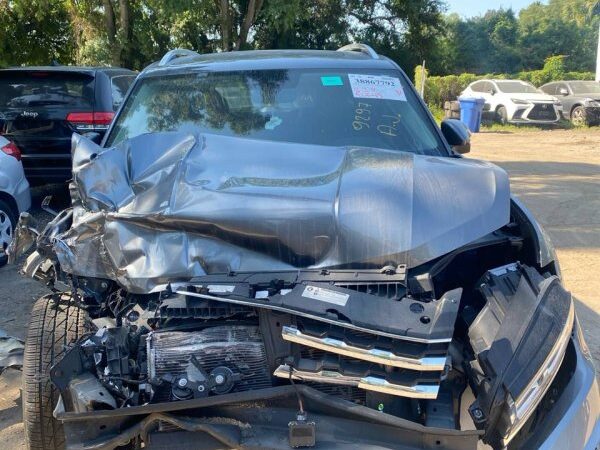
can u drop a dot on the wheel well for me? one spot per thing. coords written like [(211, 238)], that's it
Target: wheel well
[(11, 202), (573, 108)]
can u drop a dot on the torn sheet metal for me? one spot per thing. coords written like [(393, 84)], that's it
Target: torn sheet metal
[(166, 207), (11, 352)]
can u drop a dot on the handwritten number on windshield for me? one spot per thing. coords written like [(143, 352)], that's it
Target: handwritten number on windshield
[(362, 116)]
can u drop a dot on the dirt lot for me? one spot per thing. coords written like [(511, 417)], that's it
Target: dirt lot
[(556, 173)]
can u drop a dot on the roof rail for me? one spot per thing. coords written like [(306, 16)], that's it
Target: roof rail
[(363, 48), (174, 54)]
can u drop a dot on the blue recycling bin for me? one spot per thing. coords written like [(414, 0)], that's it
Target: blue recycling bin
[(471, 109)]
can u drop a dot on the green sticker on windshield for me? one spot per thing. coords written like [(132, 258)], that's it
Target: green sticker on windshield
[(332, 80)]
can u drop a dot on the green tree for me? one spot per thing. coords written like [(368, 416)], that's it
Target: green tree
[(406, 31), (115, 32), (482, 44), (498, 41), (35, 32), (316, 24), (132, 33), (563, 27)]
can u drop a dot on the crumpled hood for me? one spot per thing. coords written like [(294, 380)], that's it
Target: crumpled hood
[(166, 207)]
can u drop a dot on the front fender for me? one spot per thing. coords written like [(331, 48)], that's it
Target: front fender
[(545, 254)]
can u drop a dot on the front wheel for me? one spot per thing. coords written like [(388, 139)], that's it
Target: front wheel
[(56, 321), (502, 115), (579, 116), (8, 222)]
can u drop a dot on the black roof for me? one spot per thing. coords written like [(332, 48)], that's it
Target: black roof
[(272, 59)]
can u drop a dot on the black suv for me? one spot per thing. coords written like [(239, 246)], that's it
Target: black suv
[(41, 107)]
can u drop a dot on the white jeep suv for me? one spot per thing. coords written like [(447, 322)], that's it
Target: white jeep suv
[(515, 101)]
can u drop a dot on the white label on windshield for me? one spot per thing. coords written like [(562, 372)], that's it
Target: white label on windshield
[(325, 295), (376, 86)]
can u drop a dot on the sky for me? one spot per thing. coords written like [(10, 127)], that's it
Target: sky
[(470, 8)]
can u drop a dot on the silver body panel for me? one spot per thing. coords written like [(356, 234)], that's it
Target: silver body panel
[(166, 207), (573, 421)]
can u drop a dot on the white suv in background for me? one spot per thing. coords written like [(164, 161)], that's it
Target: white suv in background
[(14, 193), (515, 101)]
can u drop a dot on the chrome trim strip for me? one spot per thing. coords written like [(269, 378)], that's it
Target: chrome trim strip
[(322, 376), (374, 355), (367, 383), (250, 302), (425, 391)]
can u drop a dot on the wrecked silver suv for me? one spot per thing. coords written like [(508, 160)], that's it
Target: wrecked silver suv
[(282, 249)]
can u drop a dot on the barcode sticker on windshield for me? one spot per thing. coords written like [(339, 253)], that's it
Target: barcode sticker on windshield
[(325, 295), (376, 86)]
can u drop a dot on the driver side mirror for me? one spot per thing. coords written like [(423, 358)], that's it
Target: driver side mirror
[(457, 134), (563, 91), (492, 91)]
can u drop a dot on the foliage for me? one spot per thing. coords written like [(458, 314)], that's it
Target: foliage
[(419, 76), (482, 44), (447, 88), (406, 31), (314, 24), (34, 32), (134, 33), (562, 27), (499, 41)]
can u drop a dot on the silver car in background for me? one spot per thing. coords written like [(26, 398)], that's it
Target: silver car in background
[(580, 100), (14, 193)]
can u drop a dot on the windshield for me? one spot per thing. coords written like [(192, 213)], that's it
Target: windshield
[(585, 87), (22, 89), (334, 108), (516, 87)]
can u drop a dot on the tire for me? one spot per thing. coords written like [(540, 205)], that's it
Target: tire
[(8, 222), (502, 115), (56, 321), (579, 116)]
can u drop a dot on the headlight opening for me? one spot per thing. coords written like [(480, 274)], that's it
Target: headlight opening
[(521, 408)]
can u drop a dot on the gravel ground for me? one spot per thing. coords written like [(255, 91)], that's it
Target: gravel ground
[(556, 173)]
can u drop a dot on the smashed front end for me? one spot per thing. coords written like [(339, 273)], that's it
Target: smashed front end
[(285, 295)]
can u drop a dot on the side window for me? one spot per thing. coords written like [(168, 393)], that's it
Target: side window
[(119, 87), (550, 89), (478, 86), (487, 87), (560, 87)]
